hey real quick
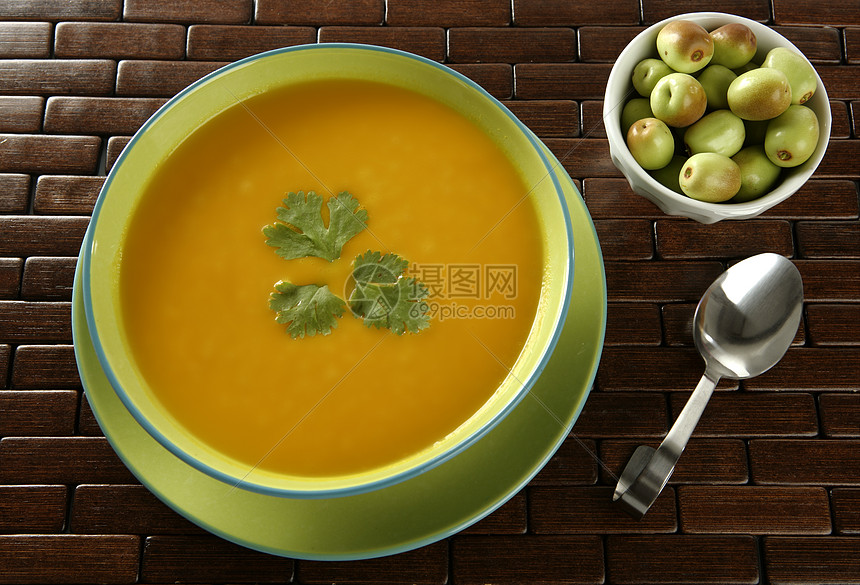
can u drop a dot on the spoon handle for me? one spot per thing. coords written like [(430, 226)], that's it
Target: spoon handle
[(677, 437), (648, 470)]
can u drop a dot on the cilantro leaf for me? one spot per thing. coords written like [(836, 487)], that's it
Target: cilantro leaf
[(307, 309), (411, 315), (378, 268), (300, 230), (385, 297)]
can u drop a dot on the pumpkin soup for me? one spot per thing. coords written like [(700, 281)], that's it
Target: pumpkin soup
[(197, 276)]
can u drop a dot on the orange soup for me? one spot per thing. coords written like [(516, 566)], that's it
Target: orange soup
[(196, 276)]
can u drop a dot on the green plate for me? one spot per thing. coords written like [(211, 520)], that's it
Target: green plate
[(404, 516)]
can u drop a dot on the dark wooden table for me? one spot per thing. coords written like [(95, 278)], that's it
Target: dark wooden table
[(769, 489)]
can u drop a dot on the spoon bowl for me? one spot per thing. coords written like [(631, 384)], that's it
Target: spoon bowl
[(743, 325), (748, 317)]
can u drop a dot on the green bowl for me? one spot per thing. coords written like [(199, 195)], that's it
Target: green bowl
[(102, 254)]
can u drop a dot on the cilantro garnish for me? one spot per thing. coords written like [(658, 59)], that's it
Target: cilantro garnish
[(378, 268), (307, 310), (385, 297), (300, 231)]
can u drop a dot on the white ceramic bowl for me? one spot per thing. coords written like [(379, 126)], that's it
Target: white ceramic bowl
[(618, 91)]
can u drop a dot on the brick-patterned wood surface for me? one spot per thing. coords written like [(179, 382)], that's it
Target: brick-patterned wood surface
[(768, 490)]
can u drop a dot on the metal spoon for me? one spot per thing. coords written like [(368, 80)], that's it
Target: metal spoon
[(743, 325)]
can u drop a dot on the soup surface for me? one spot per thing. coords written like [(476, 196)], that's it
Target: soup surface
[(196, 276)]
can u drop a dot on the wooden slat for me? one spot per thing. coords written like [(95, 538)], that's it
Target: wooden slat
[(809, 559), (21, 114), (622, 414), (66, 194), (840, 414), (14, 192), (210, 11), (660, 281), (547, 118), (682, 559), (119, 40), (590, 510), (32, 509), (603, 44), (426, 566), (160, 78), (846, 510), (632, 324), (45, 366), (625, 239), (828, 239), (833, 324), (656, 10), (69, 558), (29, 235), (819, 199), (230, 42), (91, 115), (559, 12), (811, 369), (836, 78), (425, 41), (316, 12), (811, 12), (38, 413), (57, 77), (476, 560), (821, 283), (613, 197), (517, 45), (583, 158), (754, 414), (61, 9), (10, 277), (48, 278), (645, 368), (203, 558), (448, 13), (753, 510), (60, 460), (565, 81), (840, 120), (592, 119), (29, 322), (35, 153), (852, 44), (805, 461), (5, 356), (840, 158), (684, 239)]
